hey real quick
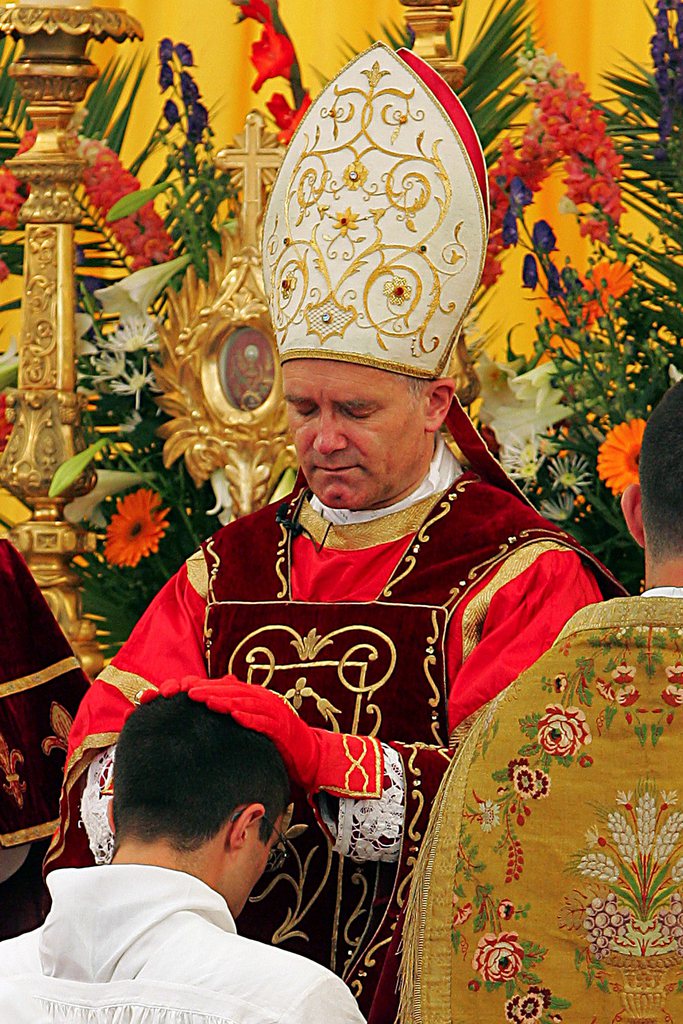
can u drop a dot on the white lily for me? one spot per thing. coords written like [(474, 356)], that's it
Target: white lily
[(109, 481), (536, 406), (221, 492), (133, 295), (82, 324), (495, 389), (9, 365)]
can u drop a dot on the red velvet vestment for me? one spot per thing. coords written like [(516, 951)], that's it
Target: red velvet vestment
[(41, 686), (382, 659)]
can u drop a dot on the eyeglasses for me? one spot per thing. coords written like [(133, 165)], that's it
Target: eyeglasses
[(277, 854)]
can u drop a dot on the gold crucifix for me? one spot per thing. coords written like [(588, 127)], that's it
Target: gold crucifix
[(256, 155)]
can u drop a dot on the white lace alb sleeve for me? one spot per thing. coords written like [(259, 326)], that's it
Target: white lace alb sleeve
[(373, 829), (95, 806)]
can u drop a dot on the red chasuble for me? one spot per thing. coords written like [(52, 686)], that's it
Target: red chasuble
[(41, 686), (368, 629)]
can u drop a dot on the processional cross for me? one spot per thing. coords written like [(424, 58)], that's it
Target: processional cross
[(256, 155)]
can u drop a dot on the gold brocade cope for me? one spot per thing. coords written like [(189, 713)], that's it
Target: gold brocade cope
[(550, 885)]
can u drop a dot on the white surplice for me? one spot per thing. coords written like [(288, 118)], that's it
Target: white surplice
[(136, 944)]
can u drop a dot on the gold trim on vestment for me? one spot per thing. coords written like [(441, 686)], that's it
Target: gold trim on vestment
[(355, 536), (44, 675), (626, 612), (128, 683), (426, 983), (28, 835), (515, 564), (76, 765), (198, 573)]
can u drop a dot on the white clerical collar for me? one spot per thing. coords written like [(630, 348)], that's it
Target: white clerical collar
[(664, 592), (443, 470)]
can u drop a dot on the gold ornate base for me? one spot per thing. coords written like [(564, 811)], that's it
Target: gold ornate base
[(48, 545)]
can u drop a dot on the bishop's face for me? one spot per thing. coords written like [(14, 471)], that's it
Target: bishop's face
[(364, 439)]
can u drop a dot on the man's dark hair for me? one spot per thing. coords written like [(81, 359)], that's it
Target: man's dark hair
[(182, 770), (661, 476)]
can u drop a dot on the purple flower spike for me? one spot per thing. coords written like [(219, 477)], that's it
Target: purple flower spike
[(530, 271), (510, 233), (184, 55), (188, 89), (543, 236), (520, 193), (197, 121), (165, 77), (554, 286), (171, 112), (165, 49)]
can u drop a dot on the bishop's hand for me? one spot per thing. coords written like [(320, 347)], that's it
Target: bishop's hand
[(315, 758)]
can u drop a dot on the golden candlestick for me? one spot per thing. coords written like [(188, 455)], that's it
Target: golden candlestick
[(430, 20), (53, 75)]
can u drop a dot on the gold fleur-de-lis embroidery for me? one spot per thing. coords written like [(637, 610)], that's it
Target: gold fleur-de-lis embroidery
[(309, 647), (374, 74), (61, 721), (9, 763)]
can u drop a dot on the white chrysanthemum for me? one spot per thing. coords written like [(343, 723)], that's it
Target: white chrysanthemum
[(108, 366), (522, 460), (132, 334), (599, 865), (558, 510), (646, 819), (570, 472), (133, 382)]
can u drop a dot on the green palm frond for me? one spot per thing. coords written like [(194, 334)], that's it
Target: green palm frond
[(489, 91), (492, 75), (110, 101), (652, 185)]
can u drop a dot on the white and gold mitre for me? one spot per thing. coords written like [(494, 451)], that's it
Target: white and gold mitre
[(375, 232)]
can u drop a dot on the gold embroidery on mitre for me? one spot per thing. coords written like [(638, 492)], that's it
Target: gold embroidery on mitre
[(365, 229)]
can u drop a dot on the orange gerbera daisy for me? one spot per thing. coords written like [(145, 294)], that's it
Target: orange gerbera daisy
[(619, 453), (136, 528)]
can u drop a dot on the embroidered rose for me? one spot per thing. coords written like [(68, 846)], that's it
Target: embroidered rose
[(673, 695), (498, 957), (560, 683), (628, 695), (606, 690), (525, 1009), (624, 674), (506, 910), (562, 731), (674, 673)]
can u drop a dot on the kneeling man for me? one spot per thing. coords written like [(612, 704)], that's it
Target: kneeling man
[(152, 935)]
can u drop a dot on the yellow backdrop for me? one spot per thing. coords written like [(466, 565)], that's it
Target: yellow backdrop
[(590, 36)]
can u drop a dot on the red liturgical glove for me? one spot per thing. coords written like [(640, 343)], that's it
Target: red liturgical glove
[(345, 765)]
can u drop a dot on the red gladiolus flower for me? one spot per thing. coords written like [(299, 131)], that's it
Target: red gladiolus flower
[(287, 118), (256, 9), (272, 55)]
